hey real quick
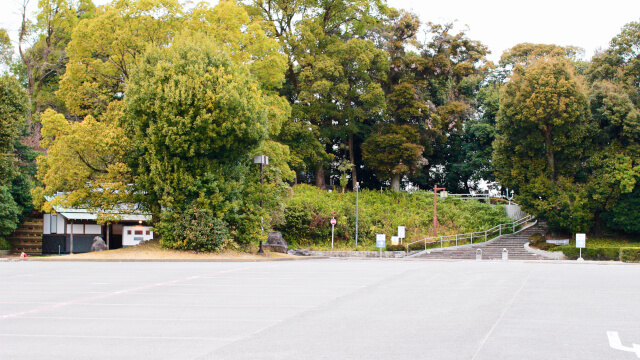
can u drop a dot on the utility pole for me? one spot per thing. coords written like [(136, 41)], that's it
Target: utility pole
[(435, 209)]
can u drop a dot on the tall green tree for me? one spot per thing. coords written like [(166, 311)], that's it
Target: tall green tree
[(15, 202), (319, 39), (542, 140), (42, 49), (196, 118)]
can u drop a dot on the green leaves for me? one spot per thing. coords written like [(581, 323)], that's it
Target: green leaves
[(191, 101), (542, 124)]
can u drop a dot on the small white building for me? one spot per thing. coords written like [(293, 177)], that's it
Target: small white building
[(73, 230)]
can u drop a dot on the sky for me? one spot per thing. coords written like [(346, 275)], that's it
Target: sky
[(499, 24)]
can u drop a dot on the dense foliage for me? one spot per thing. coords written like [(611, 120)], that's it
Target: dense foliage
[(193, 229), (163, 104), (306, 218), (15, 159)]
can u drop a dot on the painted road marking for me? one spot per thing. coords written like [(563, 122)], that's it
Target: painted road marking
[(615, 343), (120, 292)]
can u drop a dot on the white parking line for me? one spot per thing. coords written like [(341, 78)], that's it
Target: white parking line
[(73, 302), (615, 343), (120, 337)]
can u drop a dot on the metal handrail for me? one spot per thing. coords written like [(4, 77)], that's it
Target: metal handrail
[(478, 234)]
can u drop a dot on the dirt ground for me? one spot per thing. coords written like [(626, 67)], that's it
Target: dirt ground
[(151, 250)]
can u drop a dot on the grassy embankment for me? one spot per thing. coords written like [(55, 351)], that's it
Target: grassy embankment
[(305, 223)]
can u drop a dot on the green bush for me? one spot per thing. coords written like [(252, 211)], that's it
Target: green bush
[(545, 246), (537, 239), (4, 244), (9, 212), (194, 229), (396, 248), (630, 254), (591, 253)]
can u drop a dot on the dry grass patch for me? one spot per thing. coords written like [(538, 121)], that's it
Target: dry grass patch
[(152, 250)]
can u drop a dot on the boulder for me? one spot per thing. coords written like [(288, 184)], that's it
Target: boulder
[(98, 244), (299, 252), (275, 243)]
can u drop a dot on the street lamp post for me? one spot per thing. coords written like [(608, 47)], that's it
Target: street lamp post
[(435, 209), (357, 198), (261, 160)]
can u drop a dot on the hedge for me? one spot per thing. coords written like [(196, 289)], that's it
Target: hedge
[(593, 253), (630, 254)]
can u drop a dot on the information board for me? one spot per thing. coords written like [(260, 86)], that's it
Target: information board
[(401, 232), (581, 241), (380, 241)]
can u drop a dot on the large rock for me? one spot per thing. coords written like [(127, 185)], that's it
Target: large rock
[(275, 243), (98, 244)]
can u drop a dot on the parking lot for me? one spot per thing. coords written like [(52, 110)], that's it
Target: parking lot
[(319, 309)]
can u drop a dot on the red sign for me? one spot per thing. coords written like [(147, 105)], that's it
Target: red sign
[(333, 221)]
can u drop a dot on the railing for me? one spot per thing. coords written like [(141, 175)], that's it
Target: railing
[(481, 236)]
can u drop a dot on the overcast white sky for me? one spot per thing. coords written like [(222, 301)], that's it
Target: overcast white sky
[(500, 24)]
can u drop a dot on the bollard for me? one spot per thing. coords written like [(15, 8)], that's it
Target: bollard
[(479, 254), (505, 254)]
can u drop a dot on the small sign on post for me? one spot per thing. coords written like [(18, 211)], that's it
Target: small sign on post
[(581, 243), (394, 240), (401, 233), (333, 225), (381, 242)]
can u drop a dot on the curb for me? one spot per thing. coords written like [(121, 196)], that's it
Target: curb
[(179, 260), (551, 255)]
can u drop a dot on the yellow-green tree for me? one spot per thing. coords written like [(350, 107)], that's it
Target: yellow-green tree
[(196, 118), (104, 50)]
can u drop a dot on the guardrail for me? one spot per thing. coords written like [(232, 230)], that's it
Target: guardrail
[(481, 236)]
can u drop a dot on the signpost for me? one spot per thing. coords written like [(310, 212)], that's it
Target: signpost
[(380, 242), (401, 233), (581, 243), (394, 240), (435, 209), (333, 225)]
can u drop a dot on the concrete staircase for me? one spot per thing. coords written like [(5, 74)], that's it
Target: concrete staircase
[(28, 236), (492, 250)]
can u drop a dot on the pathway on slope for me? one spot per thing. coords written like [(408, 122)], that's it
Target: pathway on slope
[(492, 250)]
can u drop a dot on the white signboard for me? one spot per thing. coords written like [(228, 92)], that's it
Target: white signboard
[(395, 240), (581, 241), (380, 241), (401, 232), (134, 235)]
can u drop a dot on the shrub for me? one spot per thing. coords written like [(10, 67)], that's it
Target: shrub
[(194, 229), (592, 253), (396, 248), (9, 212), (4, 244), (545, 246), (630, 254), (537, 240)]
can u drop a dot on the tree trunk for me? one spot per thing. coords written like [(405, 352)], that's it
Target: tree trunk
[(597, 223), (550, 159), (320, 177), (395, 182), (354, 175)]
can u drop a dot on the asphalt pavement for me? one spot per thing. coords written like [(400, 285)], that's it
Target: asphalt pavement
[(320, 309)]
